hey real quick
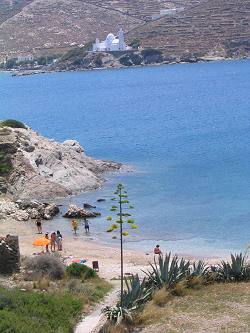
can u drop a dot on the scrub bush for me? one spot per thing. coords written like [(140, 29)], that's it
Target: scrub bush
[(160, 297), (80, 271), (46, 266), (12, 123)]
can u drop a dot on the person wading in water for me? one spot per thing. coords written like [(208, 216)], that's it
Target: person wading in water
[(74, 225), (39, 225), (86, 225)]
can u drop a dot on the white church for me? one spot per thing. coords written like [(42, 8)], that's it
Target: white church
[(111, 43)]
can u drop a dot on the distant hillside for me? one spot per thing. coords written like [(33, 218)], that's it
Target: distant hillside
[(202, 27), (9, 8), (213, 28), (32, 25)]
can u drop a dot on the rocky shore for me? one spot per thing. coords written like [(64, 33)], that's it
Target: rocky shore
[(35, 170), (110, 62)]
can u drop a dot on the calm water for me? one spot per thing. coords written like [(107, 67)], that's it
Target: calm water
[(186, 130)]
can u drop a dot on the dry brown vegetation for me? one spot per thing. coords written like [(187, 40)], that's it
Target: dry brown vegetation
[(213, 28), (215, 308), (204, 28)]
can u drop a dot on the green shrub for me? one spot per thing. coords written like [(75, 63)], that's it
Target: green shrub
[(12, 123), (80, 271), (135, 43), (30, 312), (75, 52), (95, 289), (151, 52), (10, 63), (5, 163)]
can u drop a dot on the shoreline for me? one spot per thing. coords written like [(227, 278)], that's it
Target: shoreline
[(108, 255), (28, 72)]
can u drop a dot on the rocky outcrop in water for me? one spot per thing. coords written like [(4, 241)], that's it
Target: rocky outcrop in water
[(34, 167), (76, 212)]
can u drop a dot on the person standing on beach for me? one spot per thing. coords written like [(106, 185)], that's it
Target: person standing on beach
[(74, 225), (39, 225), (86, 225), (47, 237), (53, 242), (59, 240)]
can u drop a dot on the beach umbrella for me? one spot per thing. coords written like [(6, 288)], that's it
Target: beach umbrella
[(41, 242)]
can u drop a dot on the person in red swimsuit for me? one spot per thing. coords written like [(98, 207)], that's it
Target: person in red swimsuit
[(157, 250)]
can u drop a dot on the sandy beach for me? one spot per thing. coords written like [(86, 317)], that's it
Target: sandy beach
[(108, 256)]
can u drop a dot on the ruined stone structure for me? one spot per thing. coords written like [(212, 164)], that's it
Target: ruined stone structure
[(9, 255)]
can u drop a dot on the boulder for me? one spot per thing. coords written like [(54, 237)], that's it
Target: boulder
[(50, 211), (9, 255), (33, 213), (22, 204), (88, 206), (77, 212), (74, 144), (35, 208), (21, 215), (7, 207)]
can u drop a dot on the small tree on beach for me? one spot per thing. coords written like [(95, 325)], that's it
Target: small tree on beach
[(121, 222)]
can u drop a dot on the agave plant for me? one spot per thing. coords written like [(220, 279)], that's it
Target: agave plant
[(168, 271), (236, 270), (117, 314), (137, 293), (198, 268), (134, 297)]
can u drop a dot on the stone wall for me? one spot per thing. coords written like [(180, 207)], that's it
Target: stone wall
[(9, 255)]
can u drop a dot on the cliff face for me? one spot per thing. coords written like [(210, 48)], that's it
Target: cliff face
[(38, 168)]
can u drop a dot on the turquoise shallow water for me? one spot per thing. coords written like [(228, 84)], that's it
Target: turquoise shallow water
[(185, 129)]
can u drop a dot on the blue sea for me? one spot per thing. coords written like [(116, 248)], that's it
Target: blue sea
[(184, 129)]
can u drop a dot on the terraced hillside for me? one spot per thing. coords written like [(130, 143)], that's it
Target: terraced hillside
[(203, 27), (48, 24), (213, 28), (142, 9), (31, 25), (9, 8)]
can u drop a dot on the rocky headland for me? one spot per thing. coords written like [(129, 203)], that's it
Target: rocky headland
[(35, 170)]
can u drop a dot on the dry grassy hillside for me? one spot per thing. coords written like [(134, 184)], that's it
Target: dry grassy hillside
[(143, 9), (9, 8), (215, 27), (204, 27), (31, 25)]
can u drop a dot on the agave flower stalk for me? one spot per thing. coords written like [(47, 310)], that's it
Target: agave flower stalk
[(121, 206)]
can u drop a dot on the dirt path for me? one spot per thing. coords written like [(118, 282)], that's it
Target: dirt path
[(93, 322)]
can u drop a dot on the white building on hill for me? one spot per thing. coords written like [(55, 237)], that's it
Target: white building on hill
[(111, 43), (25, 58)]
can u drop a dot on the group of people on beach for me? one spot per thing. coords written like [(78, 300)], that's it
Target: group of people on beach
[(74, 225), (55, 238)]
